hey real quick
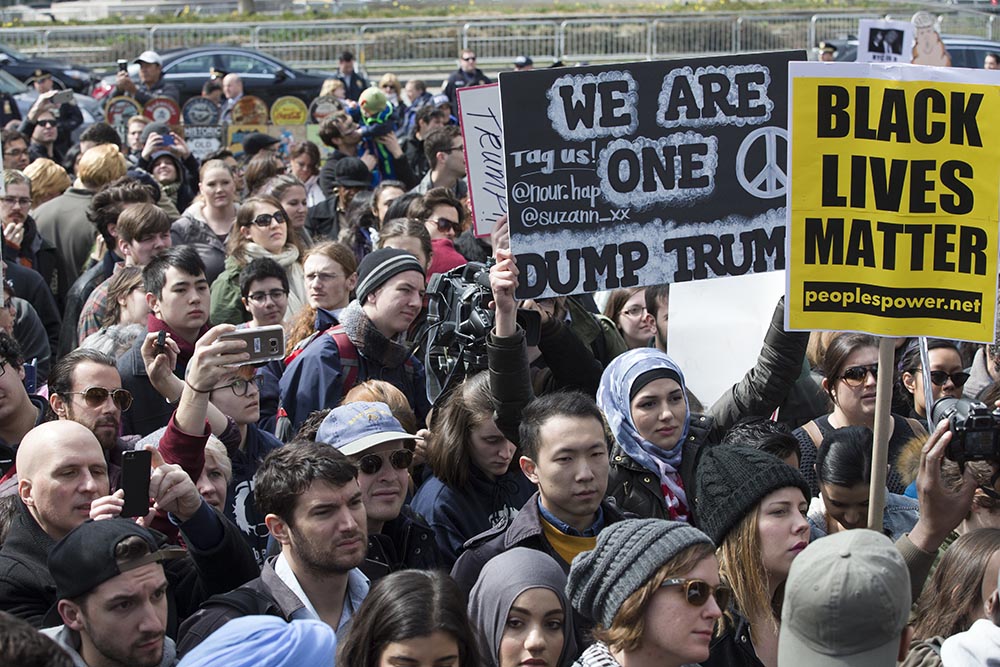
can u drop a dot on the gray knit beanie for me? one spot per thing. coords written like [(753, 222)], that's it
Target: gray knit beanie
[(732, 479), (627, 554)]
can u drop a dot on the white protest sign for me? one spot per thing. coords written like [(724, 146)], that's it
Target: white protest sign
[(885, 41), (482, 134), (717, 328)]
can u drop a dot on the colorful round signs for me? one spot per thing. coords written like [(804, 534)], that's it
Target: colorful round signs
[(162, 110), (200, 111), (289, 110), (118, 110), (323, 107), (249, 110)]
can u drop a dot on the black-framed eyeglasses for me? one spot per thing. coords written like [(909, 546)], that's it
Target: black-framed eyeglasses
[(452, 149), (635, 311), (444, 224), (400, 459), (47, 123), (96, 396), (261, 298), (855, 375), (16, 152), (265, 219), (959, 379), (23, 202), (241, 387), (697, 592)]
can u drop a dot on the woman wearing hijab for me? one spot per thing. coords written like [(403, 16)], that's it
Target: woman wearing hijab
[(519, 606)]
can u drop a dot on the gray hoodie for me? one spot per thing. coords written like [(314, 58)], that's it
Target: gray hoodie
[(69, 640)]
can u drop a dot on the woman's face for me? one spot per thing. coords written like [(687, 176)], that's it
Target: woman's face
[(442, 215), (212, 483), (134, 307), (271, 238), (410, 244), (303, 167), (385, 197), (989, 585), (676, 631), (489, 450), (164, 170), (533, 633), (784, 531), (658, 412), (847, 505), (943, 359), (635, 323), (435, 650), (218, 189), (857, 404), (296, 206)]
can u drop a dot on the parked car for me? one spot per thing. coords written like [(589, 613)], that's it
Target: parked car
[(66, 75), (964, 51), (264, 76)]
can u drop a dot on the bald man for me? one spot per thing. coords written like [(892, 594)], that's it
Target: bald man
[(232, 88), (63, 480)]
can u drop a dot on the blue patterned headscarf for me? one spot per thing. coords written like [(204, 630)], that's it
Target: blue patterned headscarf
[(613, 397)]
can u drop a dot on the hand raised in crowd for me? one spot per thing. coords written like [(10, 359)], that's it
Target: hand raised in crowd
[(160, 363), (420, 448), (500, 236), (180, 147), (170, 489), (942, 509), (124, 82), (391, 144), (13, 233), (503, 282), (154, 142), (213, 363), (42, 104)]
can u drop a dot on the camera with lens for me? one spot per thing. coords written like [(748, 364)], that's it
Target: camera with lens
[(459, 319), (975, 429)]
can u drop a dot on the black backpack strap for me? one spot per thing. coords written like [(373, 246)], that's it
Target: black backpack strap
[(247, 601)]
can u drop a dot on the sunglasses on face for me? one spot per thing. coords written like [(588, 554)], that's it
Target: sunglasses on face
[(46, 123), (469, 58), (265, 219), (96, 396), (400, 459), (938, 378), (444, 224), (697, 592), (855, 375)]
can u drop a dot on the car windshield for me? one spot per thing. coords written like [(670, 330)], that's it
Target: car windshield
[(12, 52), (10, 85)]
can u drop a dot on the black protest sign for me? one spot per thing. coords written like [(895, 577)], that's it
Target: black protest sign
[(630, 175)]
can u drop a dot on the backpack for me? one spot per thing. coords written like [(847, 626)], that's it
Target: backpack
[(246, 601)]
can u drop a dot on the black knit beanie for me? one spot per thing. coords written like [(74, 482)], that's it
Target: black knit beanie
[(378, 266), (732, 479)]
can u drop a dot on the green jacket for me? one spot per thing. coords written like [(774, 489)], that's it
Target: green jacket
[(227, 306)]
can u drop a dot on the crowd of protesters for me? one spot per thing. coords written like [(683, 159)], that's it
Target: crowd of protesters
[(574, 503)]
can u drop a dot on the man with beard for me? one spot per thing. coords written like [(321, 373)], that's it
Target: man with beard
[(313, 507), (112, 591), (85, 387)]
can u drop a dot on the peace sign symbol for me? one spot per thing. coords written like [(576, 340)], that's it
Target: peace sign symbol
[(770, 181)]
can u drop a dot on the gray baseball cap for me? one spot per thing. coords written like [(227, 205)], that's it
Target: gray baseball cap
[(847, 600)]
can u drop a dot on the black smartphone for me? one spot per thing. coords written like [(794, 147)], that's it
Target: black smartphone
[(161, 342), (136, 466), (122, 65)]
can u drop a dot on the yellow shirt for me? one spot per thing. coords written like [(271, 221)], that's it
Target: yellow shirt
[(567, 546)]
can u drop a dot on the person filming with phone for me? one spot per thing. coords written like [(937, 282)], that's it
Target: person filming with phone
[(51, 119), (151, 82)]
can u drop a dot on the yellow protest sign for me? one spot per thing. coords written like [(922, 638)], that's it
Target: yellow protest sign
[(893, 201)]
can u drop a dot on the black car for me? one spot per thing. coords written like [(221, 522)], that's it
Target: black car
[(66, 75), (964, 51), (263, 76)]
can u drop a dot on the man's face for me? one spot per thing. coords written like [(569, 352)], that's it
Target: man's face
[(135, 136), (327, 284), (266, 301), (141, 252), (349, 135), (991, 62), (46, 129), (104, 419), (432, 122), (232, 87), (15, 155), (239, 400), (411, 91), (124, 620), (59, 493), (15, 204), (383, 491), (468, 61), (393, 306), (12, 392), (184, 302), (346, 67), (454, 161), (328, 534), (43, 85), (149, 73), (572, 468)]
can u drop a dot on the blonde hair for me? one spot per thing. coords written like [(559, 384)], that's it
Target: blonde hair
[(48, 178), (383, 392), (390, 79), (741, 566), (100, 165), (217, 450), (329, 86), (629, 624)]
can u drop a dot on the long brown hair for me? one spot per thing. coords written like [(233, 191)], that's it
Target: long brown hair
[(470, 405), (953, 600), (237, 242)]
